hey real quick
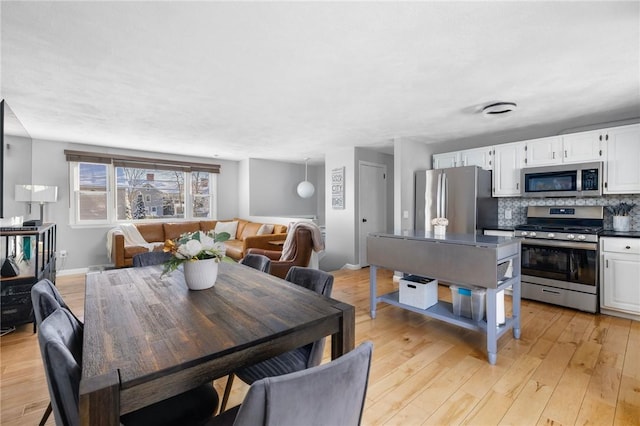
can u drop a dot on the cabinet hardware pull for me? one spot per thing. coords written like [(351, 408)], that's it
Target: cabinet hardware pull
[(553, 155), (606, 263), (600, 137), (544, 290), (628, 247), (517, 186), (565, 153)]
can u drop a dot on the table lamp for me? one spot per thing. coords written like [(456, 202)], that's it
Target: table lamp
[(37, 194)]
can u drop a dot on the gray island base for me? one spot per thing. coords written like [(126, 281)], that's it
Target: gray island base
[(461, 259)]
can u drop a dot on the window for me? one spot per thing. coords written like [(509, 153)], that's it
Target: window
[(92, 192), (147, 193), (111, 190)]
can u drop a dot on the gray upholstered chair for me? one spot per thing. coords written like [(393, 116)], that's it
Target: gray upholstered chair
[(60, 336), (329, 394), (150, 258), (298, 359), (257, 261), (45, 299)]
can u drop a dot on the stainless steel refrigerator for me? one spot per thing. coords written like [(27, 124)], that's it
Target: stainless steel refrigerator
[(461, 194)]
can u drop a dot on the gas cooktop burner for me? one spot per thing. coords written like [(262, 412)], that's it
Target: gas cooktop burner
[(560, 228)]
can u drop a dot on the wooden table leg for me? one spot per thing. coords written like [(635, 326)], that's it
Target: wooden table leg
[(100, 401), (344, 340)]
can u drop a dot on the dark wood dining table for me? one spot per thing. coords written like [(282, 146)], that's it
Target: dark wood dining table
[(147, 337)]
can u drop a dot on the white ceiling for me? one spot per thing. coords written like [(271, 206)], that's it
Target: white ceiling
[(286, 81)]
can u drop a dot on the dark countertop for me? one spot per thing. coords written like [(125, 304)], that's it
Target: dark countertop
[(612, 233)]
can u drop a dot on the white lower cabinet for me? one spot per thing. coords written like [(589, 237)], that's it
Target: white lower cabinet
[(620, 277)]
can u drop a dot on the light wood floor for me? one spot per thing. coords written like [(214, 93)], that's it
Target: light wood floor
[(568, 367)]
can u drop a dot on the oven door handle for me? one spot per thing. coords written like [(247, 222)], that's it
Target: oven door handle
[(563, 244)]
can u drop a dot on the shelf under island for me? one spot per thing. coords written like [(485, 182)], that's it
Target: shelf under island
[(467, 260)]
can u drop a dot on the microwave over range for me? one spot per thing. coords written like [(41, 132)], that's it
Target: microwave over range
[(566, 180)]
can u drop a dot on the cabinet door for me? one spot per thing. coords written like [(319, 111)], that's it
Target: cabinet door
[(480, 157), (508, 159), (582, 147), (622, 171), (446, 160), (543, 152), (620, 287)]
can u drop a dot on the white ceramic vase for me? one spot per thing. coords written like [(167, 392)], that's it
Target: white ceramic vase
[(439, 229), (622, 223), (200, 274)]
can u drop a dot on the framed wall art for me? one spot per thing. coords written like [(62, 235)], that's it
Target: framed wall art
[(337, 188)]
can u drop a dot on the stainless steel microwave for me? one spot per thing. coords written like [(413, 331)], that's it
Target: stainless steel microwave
[(565, 180)]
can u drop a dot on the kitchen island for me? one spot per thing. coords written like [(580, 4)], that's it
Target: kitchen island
[(467, 260)]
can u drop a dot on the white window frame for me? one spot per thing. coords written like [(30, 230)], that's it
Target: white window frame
[(74, 207)]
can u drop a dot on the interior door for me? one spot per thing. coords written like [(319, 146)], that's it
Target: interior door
[(372, 203)]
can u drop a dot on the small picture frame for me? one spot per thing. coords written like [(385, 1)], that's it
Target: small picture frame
[(337, 188)]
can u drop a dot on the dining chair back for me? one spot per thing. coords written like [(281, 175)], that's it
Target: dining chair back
[(298, 359), (60, 337), (150, 258), (257, 261), (328, 394), (45, 299)]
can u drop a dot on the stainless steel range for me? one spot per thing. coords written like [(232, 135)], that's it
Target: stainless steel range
[(560, 255)]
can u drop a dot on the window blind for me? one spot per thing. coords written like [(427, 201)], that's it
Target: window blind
[(140, 162)]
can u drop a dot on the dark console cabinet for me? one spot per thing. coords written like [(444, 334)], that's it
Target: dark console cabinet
[(34, 249)]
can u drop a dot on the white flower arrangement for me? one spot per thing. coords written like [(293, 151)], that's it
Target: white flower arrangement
[(193, 246), (439, 221)]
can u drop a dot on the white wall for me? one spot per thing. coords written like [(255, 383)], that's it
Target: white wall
[(340, 224), (272, 189), (86, 246), (17, 171), (409, 156)]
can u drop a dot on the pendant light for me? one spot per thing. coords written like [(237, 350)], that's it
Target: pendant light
[(305, 188)]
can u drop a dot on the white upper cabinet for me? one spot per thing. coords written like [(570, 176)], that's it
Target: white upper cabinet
[(543, 152), (583, 147), (508, 159), (480, 157), (622, 160), (446, 160)]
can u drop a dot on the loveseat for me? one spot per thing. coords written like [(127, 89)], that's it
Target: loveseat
[(245, 237)]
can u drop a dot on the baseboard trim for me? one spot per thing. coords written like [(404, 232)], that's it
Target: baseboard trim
[(65, 272), (351, 267)]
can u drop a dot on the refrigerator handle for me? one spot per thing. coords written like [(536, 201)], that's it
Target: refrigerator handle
[(445, 189), (439, 195)]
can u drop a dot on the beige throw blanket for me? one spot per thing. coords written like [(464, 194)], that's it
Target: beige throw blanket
[(289, 247), (132, 237)]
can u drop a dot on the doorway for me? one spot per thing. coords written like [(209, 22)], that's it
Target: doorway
[(372, 204)]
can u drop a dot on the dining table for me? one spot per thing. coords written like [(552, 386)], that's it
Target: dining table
[(147, 337)]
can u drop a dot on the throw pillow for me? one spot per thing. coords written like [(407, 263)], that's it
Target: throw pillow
[(230, 227), (265, 229)]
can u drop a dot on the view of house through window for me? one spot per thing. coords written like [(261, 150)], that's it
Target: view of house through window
[(147, 194), (140, 193)]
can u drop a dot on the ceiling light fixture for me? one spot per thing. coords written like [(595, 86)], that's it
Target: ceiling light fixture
[(499, 108), (305, 188)]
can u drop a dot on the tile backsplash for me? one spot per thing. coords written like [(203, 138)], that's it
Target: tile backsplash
[(518, 207)]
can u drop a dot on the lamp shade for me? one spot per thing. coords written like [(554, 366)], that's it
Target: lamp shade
[(305, 189), (44, 193), (37, 193), (23, 193)]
